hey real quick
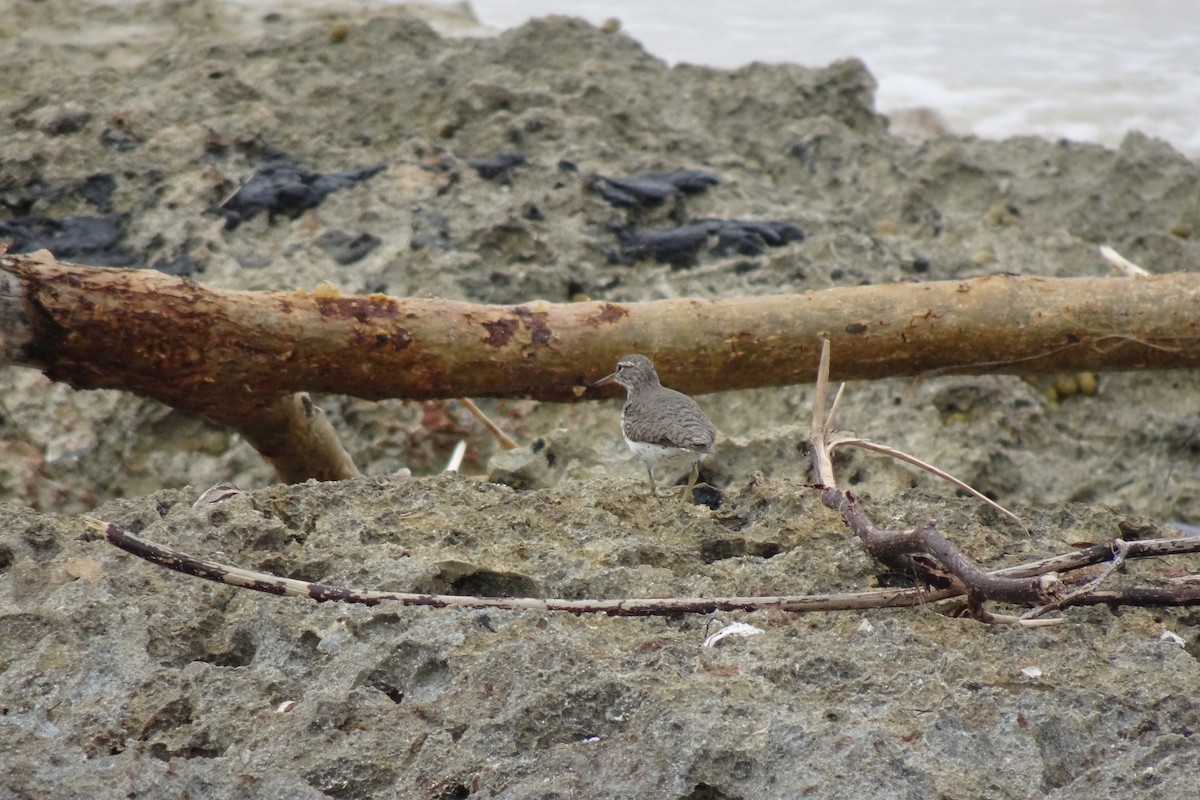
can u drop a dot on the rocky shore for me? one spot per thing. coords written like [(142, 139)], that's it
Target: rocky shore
[(375, 152)]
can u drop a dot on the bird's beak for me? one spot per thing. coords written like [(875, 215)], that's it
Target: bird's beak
[(605, 381)]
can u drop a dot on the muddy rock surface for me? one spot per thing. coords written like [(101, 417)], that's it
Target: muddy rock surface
[(385, 152)]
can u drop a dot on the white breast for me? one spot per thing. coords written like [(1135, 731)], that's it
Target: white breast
[(667, 461)]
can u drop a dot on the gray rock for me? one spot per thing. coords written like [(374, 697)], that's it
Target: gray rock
[(118, 677)]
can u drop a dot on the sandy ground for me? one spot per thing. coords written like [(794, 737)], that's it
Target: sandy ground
[(119, 678)]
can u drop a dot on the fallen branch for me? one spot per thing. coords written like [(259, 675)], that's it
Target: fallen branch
[(628, 607), (293, 434), (934, 560), (898, 548), (192, 346), (240, 358)]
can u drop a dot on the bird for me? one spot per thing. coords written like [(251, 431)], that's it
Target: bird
[(664, 428)]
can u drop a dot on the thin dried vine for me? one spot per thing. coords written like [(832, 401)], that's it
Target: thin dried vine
[(628, 607)]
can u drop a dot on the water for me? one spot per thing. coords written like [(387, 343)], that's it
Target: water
[(1086, 70)]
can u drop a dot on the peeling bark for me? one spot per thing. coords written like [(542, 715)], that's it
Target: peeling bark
[(192, 347), (239, 358)]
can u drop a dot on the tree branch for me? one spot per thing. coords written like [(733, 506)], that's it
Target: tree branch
[(906, 550), (627, 607), (197, 348), (295, 436), (241, 358), (217, 572)]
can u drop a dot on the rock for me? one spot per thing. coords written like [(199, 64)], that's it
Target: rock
[(119, 677), (283, 186), (62, 119), (499, 166), (524, 468), (84, 239), (346, 249)]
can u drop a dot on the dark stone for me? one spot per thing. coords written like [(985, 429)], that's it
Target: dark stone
[(64, 120), (98, 190), (430, 229), (119, 139), (95, 241), (651, 189), (21, 199), (635, 192), (736, 239), (285, 187), (499, 166), (688, 181), (751, 238), (705, 495), (680, 247), (181, 264), (344, 248)]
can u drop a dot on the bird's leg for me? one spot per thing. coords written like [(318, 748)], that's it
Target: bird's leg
[(693, 476), (653, 484)]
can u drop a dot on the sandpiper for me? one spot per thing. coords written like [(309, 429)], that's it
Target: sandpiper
[(663, 427)]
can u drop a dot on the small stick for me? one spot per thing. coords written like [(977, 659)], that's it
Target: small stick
[(456, 457), (991, 618), (1149, 548), (819, 431), (1121, 262), (831, 420), (916, 462), (501, 437), (1120, 551), (232, 194)]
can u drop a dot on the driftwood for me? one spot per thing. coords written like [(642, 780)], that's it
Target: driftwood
[(239, 358), (932, 559), (177, 341), (666, 606), (924, 552)]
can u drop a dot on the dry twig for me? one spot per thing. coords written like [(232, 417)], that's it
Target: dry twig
[(1122, 263), (900, 549), (629, 607), (1120, 551), (506, 443), (916, 462), (952, 571)]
